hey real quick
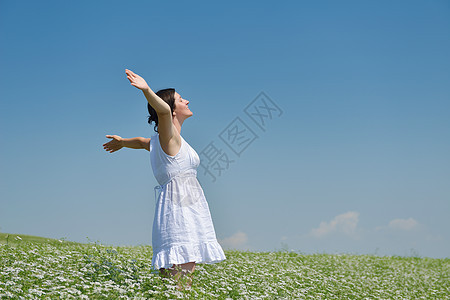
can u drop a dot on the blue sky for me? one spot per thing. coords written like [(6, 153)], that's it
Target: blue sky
[(357, 160)]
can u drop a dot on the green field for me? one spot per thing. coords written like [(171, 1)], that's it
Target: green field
[(40, 268)]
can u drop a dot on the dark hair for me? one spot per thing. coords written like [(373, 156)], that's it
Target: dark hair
[(168, 95)]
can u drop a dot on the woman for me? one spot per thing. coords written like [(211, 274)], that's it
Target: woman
[(183, 231)]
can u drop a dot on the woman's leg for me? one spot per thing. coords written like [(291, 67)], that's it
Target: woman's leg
[(175, 269), (187, 270), (164, 272), (190, 266), (178, 271)]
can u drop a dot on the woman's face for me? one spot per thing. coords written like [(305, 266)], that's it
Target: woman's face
[(181, 107)]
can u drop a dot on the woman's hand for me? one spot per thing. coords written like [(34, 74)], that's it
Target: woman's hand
[(113, 145), (136, 80)]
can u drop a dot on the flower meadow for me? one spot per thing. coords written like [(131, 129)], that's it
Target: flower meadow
[(65, 270)]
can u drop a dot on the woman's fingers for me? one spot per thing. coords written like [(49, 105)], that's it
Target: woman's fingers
[(135, 80), (111, 149), (129, 73), (112, 145), (111, 137)]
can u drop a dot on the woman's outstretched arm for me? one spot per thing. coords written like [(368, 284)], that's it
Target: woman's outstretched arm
[(118, 143)]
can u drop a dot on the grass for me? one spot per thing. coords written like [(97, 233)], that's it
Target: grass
[(40, 268), (14, 239)]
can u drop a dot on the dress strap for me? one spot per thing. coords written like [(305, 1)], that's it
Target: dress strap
[(186, 173)]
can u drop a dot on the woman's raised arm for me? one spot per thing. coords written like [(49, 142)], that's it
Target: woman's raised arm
[(154, 100), (165, 127)]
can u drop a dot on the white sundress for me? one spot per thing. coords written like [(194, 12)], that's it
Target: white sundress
[(183, 230)]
